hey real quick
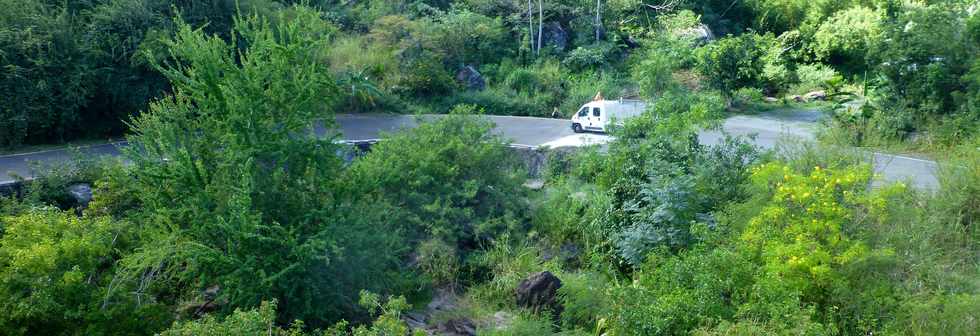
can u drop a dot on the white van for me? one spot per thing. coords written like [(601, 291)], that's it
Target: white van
[(599, 115)]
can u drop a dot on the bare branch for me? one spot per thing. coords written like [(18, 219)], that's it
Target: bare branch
[(667, 5)]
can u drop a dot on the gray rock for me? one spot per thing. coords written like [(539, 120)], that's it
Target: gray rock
[(539, 292), (81, 193), (471, 79), (700, 34), (502, 320), (534, 184), (555, 35), (771, 99), (815, 95), (457, 327)]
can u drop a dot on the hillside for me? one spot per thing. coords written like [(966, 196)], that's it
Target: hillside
[(233, 210)]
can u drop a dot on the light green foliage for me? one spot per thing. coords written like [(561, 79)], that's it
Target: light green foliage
[(439, 261), (846, 36), (800, 233), (471, 38), (813, 77), (747, 96), (509, 264), (261, 321), (938, 315), (523, 325), (655, 73), (55, 269), (387, 323), (589, 57), (796, 266)]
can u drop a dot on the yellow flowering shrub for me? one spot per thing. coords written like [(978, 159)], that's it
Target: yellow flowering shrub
[(800, 235)]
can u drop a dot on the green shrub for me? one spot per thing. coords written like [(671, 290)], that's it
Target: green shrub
[(237, 193), (449, 176), (813, 77), (57, 276), (589, 57), (954, 314), (845, 37), (675, 295), (439, 261), (585, 300), (240, 322), (747, 96), (523, 325), (732, 62)]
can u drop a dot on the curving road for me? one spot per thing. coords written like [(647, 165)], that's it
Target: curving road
[(768, 130)]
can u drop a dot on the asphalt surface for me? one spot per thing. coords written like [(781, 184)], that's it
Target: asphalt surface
[(768, 130), (772, 129)]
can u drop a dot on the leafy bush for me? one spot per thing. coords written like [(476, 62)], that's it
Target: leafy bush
[(227, 170), (56, 273), (845, 37), (732, 62), (589, 57), (747, 96), (240, 322), (450, 176), (813, 77), (439, 261), (585, 300), (679, 294), (921, 60)]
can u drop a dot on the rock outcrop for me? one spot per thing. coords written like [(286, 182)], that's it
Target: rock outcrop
[(470, 78), (81, 194), (539, 292), (815, 95)]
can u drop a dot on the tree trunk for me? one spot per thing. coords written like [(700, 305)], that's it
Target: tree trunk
[(530, 25), (598, 18), (540, 24)]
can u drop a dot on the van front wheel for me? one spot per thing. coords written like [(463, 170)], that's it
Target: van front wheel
[(576, 128)]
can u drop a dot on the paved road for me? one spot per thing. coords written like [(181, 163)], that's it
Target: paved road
[(768, 129)]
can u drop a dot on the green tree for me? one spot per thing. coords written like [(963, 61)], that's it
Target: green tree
[(453, 177), (845, 37), (731, 63), (237, 189)]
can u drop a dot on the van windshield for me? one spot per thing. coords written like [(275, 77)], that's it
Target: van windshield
[(583, 112)]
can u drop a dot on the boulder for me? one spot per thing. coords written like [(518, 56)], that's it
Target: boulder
[(470, 78), (534, 184), (555, 35), (771, 99), (502, 320), (457, 327), (81, 193), (539, 292), (700, 34), (815, 95)]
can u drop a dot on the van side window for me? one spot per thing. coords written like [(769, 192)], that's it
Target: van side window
[(583, 112), (596, 112)]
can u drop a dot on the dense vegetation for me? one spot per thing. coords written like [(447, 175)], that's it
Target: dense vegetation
[(82, 69), (227, 215)]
